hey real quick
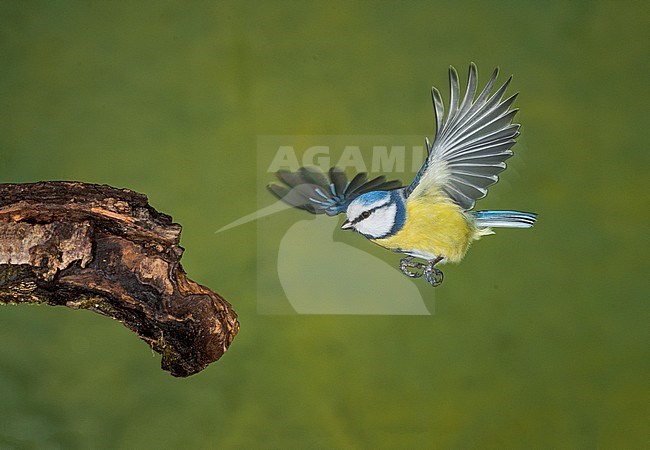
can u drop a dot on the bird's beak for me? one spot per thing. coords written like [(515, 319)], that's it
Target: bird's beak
[(346, 225)]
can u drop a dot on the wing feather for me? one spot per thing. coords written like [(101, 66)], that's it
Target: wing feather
[(470, 93), (438, 109), (339, 180), (358, 180), (309, 189), (471, 143), (313, 176)]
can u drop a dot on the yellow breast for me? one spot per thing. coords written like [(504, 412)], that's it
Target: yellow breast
[(435, 226)]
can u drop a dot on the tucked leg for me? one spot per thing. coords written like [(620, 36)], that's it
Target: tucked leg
[(432, 274)]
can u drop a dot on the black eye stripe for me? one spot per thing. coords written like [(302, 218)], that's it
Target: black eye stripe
[(366, 214)]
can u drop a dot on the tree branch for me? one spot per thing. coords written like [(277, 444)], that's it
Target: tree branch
[(94, 247)]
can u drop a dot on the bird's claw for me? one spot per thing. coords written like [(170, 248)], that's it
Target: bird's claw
[(432, 274), (406, 263)]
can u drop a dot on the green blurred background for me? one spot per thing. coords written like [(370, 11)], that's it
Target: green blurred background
[(539, 338)]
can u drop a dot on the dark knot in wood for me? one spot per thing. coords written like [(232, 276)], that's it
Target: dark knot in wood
[(95, 247)]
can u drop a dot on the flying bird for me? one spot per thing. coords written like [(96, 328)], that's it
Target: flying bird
[(431, 219)]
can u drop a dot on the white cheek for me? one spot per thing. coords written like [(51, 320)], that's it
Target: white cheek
[(379, 223)]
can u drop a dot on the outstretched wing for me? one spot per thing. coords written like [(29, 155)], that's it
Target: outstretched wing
[(471, 143), (309, 189)]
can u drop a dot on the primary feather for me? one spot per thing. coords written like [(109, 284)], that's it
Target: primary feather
[(471, 143), (309, 189)]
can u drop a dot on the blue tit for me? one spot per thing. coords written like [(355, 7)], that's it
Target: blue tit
[(431, 219)]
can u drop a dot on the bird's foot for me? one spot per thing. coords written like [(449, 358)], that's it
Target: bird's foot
[(413, 269), (407, 263), (432, 274)]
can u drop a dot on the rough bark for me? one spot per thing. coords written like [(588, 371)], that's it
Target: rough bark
[(104, 249)]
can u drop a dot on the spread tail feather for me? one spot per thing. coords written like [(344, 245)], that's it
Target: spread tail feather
[(505, 219)]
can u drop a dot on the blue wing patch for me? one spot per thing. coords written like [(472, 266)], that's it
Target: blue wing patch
[(309, 189)]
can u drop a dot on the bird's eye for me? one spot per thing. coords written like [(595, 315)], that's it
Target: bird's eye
[(365, 214)]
